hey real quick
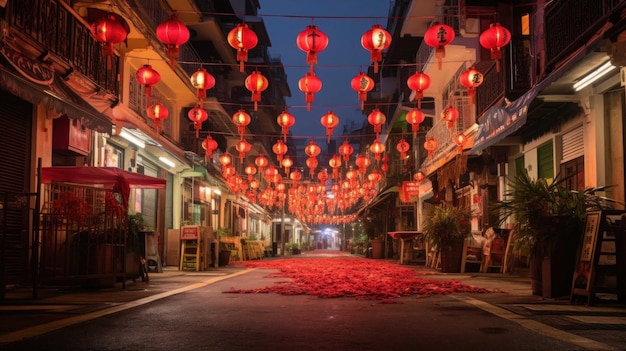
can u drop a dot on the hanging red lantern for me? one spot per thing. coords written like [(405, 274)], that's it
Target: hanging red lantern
[(279, 149), (209, 145), (197, 115), (430, 145), (147, 77), (362, 162), (256, 83), (384, 167), (295, 177), (312, 150), (225, 159), (419, 176), (459, 140), (438, 36), (375, 177), (173, 34), (243, 147), (329, 121), (202, 81), (108, 31), (471, 79), (418, 82), (375, 41), (335, 163), (241, 119), (242, 39), (362, 84), (322, 176), (158, 112), (377, 148), (309, 85), (286, 163), (250, 170), (346, 150), (402, 148), (450, 115), (286, 120), (414, 118), (312, 163), (312, 41), (494, 38), (377, 119), (228, 171), (261, 161)]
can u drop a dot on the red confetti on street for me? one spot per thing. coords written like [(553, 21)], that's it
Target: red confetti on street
[(363, 279)]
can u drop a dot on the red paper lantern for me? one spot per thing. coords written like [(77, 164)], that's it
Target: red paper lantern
[(375, 41), (295, 177), (430, 145), (286, 120), (312, 150), (250, 170), (209, 145), (243, 147), (415, 117), (377, 119), (362, 162), (335, 163), (329, 121), (362, 84), (242, 39), (197, 115), (471, 79), (438, 36), (377, 148), (374, 177), (450, 115), (494, 38), (459, 140), (108, 31), (418, 82), (158, 112), (279, 149), (256, 83), (173, 34), (286, 163), (312, 41), (202, 81), (419, 176), (322, 176), (225, 159), (241, 119), (402, 148), (346, 150), (312, 163), (309, 85), (261, 161), (147, 77)]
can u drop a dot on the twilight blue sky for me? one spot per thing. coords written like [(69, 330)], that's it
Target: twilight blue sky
[(344, 22)]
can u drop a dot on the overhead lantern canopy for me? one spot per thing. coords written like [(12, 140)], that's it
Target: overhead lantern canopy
[(202, 81), (309, 85), (438, 36), (375, 41), (173, 34), (312, 41), (494, 38), (242, 39), (256, 83), (362, 84), (419, 82)]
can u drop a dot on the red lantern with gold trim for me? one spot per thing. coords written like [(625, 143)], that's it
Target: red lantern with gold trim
[(243, 147), (209, 145), (197, 115), (225, 159), (242, 39), (279, 149), (286, 163), (346, 150), (402, 148), (494, 38), (377, 148), (430, 145), (158, 112), (147, 77), (312, 41), (250, 170), (312, 150), (471, 79), (362, 162), (450, 115), (256, 83), (286, 120), (202, 81), (241, 119), (335, 164), (418, 82), (362, 84), (173, 34), (312, 163), (438, 36), (329, 121), (309, 85), (261, 161), (376, 118), (414, 118), (375, 41)]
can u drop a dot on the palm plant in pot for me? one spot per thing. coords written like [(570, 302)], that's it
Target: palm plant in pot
[(548, 222), (446, 228)]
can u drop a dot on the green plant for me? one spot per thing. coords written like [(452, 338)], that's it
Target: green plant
[(136, 225), (447, 223)]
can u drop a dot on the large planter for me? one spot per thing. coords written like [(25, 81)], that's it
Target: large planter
[(377, 248), (223, 258), (451, 255)]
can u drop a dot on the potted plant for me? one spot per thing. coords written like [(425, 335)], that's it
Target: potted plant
[(446, 228), (225, 246), (548, 223)]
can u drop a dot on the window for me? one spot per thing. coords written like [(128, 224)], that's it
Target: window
[(519, 165), (545, 161), (573, 172)]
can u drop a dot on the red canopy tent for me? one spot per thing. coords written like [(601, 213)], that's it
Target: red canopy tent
[(107, 177)]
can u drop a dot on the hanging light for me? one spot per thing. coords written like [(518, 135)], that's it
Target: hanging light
[(243, 147), (430, 145), (261, 162), (279, 149), (108, 31), (450, 115), (202, 81), (312, 163), (419, 176), (286, 163), (376, 119), (414, 118), (295, 177), (209, 145), (402, 148), (362, 84), (335, 163), (438, 36), (158, 112), (147, 77), (173, 34), (459, 140), (418, 82), (250, 170), (312, 150), (362, 162), (197, 115), (312, 41), (242, 39), (375, 41), (309, 85), (225, 159), (329, 121), (377, 148), (241, 119), (471, 79), (286, 120), (256, 83), (346, 150), (494, 38)]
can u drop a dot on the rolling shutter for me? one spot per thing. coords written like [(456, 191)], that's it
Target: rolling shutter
[(573, 146)]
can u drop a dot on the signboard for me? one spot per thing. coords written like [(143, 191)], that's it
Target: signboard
[(582, 274), (411, 188), (189, 232)]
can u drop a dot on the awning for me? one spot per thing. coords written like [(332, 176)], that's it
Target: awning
[(52, 91), (404, 234)]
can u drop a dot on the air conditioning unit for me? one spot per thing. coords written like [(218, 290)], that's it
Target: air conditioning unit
[(470, 27)]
